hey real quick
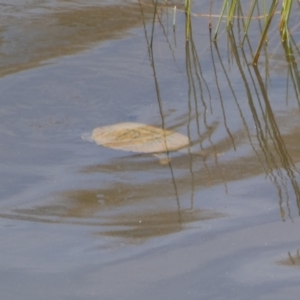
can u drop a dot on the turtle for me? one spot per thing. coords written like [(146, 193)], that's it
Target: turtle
[(140, 138)]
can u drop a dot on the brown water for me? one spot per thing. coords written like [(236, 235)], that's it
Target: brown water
[(80, 221)]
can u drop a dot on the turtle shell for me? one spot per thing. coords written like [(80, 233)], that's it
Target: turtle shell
[(137, 137)]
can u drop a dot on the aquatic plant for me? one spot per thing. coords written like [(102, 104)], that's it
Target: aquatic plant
[(233, 10)]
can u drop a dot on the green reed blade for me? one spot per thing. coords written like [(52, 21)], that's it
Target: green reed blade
[(231, 12), (188, 19), (220, 19), (249, 18), (285, 15), (264, 33)]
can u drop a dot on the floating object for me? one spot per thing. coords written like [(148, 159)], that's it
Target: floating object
[(140, 138)]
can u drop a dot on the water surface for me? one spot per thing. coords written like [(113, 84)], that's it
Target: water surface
[(83, 221)]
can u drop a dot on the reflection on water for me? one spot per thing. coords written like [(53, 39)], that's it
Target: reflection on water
[(292, 260), (225, 108), (200, 221), (153, 224), (96, 208), (138, 180), (122, 204)]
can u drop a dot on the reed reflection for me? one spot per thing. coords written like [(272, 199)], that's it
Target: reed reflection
[(272, 149), (291, 260)]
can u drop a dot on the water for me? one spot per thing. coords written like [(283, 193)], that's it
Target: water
[(82, 221)]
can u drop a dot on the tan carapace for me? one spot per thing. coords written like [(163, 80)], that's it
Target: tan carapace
[(141, 138)]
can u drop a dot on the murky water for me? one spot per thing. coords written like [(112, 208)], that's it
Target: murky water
[(80, 221)]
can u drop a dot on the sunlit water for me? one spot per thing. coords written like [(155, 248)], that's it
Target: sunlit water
[(80, 221)]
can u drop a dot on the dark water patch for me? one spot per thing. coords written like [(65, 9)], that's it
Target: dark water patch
[(154, 224), (292, 260), (29, 40), (127, 216)]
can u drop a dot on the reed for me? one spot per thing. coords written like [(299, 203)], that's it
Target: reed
[(230, 12), (188, 18)]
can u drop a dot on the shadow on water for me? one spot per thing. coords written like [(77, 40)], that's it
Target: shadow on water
[(266, 143)]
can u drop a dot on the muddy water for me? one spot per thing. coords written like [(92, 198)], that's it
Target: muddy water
[(80, 221)]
